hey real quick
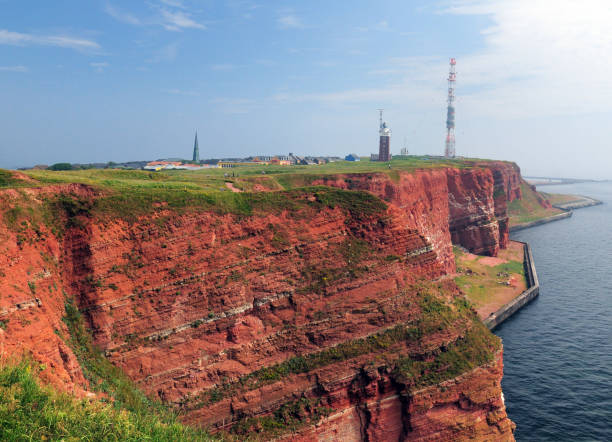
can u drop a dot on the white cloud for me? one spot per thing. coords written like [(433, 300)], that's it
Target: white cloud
[(14, 69), (290, 21), (22, 39), (121, 15), (537, 59), (174, 3), (177, 20), (540, 57), (172, 15)]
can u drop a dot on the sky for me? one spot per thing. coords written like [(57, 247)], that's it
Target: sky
[(111, 80)]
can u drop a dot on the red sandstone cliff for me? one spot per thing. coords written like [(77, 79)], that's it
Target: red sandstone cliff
[(191, 305)]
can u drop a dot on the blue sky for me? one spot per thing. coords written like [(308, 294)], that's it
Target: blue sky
[(116, 80)]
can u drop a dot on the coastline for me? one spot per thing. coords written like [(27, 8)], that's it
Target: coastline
[(533, 290), (533, 285), (567, 208)]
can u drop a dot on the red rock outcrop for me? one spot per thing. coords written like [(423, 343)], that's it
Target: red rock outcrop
[(469, 203), (191, 305), (469, 407)]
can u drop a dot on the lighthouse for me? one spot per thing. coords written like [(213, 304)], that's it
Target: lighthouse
[(384, 146)]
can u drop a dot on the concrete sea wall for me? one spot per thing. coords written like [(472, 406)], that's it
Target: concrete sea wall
[(585, 201), (546, 220), (533, 290), (567, 212)]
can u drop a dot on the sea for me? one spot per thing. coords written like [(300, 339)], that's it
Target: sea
[(558, 349)]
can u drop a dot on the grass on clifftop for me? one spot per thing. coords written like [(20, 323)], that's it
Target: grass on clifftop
[(243, 178), (130, 193)]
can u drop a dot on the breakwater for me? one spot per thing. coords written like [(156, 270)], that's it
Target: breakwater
[(533, 290), (548, 219), (584, 201), (567, 208)]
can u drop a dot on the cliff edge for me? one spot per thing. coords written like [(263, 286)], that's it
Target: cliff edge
[(322, 312)]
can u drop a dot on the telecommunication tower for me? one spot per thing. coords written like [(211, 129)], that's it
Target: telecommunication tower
[(449, 150)]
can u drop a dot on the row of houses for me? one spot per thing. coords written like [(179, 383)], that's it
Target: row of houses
[(278, 160)]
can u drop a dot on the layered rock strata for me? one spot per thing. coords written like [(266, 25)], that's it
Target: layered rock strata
[(312, 307)]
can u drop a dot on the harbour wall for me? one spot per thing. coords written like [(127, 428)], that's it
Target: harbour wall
[(567, 212), (585, 201), (548, 219), (533, 290)]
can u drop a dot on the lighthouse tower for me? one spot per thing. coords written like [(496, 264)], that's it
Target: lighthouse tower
[(384, 146)]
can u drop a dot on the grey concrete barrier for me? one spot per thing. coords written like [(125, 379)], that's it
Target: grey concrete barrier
[(533, 290)]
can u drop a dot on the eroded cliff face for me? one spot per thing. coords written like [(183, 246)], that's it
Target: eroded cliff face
[(468, 407), (467, 206), (32, 291), (336, 324)]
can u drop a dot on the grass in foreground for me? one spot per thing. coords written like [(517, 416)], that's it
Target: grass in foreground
[(30, 411)]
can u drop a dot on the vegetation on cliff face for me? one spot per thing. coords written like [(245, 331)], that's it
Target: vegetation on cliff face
[(128, 415), (530, 207), (31, 411), (476, 347)]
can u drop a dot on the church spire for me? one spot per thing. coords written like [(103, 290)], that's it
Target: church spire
[(196, 149)]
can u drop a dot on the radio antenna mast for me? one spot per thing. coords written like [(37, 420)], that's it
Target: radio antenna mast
[(449, 150)]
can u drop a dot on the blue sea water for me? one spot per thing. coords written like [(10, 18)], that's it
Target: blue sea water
[(558, 350)]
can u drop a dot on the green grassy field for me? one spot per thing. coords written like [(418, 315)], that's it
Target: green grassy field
[(130, 193), (483, 283), (214, 179)]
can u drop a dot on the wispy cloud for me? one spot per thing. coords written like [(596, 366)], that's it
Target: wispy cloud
[(122, 16), (14, 69), (177, 20), (99, 66), (172, 15), (244, 8), (174, 3), (289, 21), (23, 39)]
